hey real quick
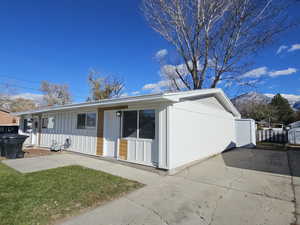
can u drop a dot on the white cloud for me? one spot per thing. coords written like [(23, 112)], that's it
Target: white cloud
[(294, 47), (281, 48), (31, 96), (124, 94), (277, 73), (263, 71), (157, 87), (135, 92), (161, 54), (255, 73), (170, 70)]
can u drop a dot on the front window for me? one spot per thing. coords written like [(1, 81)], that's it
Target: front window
[(44, 122), (139, 124), (51, 122), (27, 125), (48, 122), (86, 120), (81, 121), (130, 124), (91, 119), (147, 124)]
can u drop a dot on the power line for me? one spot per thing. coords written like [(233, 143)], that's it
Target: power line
[(28, 81), (18, 79), (34, 89)]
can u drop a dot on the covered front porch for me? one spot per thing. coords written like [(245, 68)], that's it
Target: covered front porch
[(129, 135)]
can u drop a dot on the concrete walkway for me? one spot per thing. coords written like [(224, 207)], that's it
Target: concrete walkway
[(28, 165), (237, 187)]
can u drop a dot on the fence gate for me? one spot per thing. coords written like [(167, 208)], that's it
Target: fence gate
[(272, 136), (245, 133)]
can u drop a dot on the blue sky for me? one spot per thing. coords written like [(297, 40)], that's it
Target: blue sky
[(60, 41)]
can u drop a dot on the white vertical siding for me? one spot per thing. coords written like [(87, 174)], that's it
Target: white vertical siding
[(141, 151), (245, 133), (82, 140), (198, 131), (294, 136)]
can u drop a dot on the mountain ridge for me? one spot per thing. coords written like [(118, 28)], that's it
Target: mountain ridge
[(265, 98)]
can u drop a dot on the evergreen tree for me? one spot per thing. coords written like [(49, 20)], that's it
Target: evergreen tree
[(284, 113)]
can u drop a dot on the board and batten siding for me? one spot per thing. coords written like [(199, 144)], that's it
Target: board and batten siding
[(65, 126)]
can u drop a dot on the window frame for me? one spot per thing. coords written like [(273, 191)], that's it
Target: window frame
[(122, 125), (44, 124), (47, 118), (138, 124), (85, 121), (51, 117), (86, 116), (26, 128), (154, 124)]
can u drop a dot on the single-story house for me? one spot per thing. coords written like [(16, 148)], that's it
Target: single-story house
[(6, 119), (295, 124), (165, 130), (294, 133)]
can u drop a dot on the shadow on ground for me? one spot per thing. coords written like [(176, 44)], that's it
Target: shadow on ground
[(277, 162)]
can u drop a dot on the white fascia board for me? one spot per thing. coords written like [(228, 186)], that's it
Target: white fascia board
[(178, 95), (161, 97), (217, 92), (228, 104), (103, 103)]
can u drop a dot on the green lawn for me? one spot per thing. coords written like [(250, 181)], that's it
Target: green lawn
[(43, 197)]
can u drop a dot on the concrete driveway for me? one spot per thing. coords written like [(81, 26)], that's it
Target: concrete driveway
[(238, 187)]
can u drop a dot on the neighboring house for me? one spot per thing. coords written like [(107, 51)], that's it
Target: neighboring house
[(166, 130), (265, 125), (295, 124), (294, 133), (6, 119), (294, 136)]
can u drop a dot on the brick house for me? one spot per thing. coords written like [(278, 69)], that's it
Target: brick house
[(7, 119)]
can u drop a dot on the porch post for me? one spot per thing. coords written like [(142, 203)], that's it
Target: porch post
[(100, 125)]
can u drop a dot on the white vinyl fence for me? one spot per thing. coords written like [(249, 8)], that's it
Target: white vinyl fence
[(274, 136)]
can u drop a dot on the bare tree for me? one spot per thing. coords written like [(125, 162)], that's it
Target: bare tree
[(103, 87), (214, 38), (55, 94), (22, 104)]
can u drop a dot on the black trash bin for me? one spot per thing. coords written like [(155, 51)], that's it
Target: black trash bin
[(2, 152), (11, 145)]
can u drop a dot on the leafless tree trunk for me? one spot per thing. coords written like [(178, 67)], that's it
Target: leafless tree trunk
[(215, 37)]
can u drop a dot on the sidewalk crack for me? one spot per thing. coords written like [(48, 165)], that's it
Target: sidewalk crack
[(152, 210)]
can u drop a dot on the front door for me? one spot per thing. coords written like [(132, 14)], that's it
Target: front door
[(35, 128), (111, 133)]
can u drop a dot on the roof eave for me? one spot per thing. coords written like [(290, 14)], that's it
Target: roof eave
[(111, 103)]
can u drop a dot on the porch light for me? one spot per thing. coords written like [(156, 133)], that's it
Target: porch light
[(118, 113)]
